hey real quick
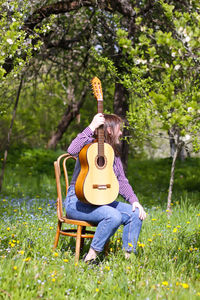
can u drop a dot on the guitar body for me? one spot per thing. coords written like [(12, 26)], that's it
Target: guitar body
[(96, 184)]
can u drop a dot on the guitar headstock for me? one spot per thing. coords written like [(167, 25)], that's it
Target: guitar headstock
[(97, 89)]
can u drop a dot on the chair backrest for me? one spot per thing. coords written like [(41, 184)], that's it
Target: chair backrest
[(61, 162)]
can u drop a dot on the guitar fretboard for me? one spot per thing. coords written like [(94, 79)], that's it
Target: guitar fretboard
[(100, 134)]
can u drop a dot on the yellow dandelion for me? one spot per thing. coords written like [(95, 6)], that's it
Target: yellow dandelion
[(188, 222), (65, 260), (97, 290), (27, 259), (169, 226), (15, 268), (175, 230), (51, 227), (141, 245), (198, 215), (53, 279), (177, 283), (12, 245), (198, 293), (8, 228), (185, 285), (21, 252), (130, 244), (39, 208), (55, 254), (107, 268), (40, 229), (153, 219), (178, 226), (165, 283), (149, 240)]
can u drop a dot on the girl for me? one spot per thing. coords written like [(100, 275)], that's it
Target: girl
[(108, 217)]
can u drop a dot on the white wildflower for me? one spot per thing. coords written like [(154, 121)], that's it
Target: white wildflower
[(177, 67), (10, 41), (186, 138), (180, 30), (137, 61), (187, 39)]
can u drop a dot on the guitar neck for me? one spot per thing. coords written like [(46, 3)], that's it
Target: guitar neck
[(100, 131)]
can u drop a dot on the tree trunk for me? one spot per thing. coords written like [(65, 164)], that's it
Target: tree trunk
[(171, 181), (182, 153), (10, 133), (70, 114), (175, 134), (120, 108)]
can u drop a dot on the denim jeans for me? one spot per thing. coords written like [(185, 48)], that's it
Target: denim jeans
[(108, 218)]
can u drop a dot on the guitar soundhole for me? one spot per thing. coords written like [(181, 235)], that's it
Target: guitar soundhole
[(100, 161)]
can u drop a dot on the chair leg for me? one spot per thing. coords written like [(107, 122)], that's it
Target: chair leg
[(57, 234), (82, 239), (78, 243)]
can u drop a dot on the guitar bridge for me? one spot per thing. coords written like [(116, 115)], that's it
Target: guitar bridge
[(101, 186)]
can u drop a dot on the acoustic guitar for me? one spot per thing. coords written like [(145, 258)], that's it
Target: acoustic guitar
[(96, 183)]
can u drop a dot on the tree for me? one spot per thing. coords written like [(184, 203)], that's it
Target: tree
[(148, 48), (163, 75)]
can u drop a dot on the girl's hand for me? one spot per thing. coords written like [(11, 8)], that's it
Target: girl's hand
[(142, 214), (97, 121)]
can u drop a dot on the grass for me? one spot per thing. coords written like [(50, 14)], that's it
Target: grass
[(167, 265)]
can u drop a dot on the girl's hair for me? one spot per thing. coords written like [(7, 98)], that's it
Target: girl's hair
[(112, 120)]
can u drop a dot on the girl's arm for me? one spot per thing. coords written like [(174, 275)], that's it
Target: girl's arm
[(86, 136), (82, 139), (126, 190)]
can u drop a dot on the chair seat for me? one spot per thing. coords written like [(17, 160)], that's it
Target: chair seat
[(78, 222)]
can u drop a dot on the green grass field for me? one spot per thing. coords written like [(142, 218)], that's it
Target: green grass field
[(168, 262)]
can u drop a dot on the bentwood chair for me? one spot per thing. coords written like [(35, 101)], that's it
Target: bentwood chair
[(79, 230)]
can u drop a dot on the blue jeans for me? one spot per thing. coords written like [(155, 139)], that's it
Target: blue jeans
[(108, 218)]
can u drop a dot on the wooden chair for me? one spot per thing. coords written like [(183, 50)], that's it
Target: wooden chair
[(79, 231)]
